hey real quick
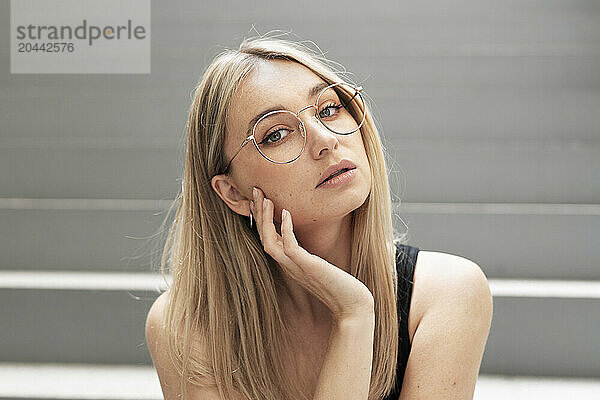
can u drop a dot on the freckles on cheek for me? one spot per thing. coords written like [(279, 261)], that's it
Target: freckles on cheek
[(283, 198)]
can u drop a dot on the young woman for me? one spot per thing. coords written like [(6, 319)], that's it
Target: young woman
[(288, 280)]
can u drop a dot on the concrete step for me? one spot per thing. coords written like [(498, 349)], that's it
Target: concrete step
[(122, 238), (81, 317), (133, 382), (121, 235), (541, 328), (512, 241), (552, 334)]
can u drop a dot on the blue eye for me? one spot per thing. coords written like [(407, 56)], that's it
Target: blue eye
[(329, 107), (270, 136)]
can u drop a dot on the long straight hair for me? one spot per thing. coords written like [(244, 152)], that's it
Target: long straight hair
[(224, 290)]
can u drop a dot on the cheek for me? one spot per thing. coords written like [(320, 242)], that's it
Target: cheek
[(291, 189), (277, 183)]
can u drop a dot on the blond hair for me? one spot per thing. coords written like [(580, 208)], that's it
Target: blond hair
[(224, 285)]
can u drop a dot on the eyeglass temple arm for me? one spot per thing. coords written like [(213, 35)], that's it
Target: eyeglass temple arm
[(236, 153), (358, 89)]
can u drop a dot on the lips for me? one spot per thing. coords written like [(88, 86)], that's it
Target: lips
[(335, 170)]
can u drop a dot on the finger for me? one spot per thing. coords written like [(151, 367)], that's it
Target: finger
[(289, 241), (293, 251), (270, 235), (272, 242), (287, 230)]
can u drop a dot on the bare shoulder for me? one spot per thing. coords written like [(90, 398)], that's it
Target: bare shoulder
[(441, 278), (157, 341), (453, 314), (155, 320)]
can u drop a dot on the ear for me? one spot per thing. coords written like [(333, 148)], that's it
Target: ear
[(227, 191)]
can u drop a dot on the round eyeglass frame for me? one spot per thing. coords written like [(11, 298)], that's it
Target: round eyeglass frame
[(358, 90)]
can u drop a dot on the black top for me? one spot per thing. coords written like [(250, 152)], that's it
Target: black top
[(406, 258)]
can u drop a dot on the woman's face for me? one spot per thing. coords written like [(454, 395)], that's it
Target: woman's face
[(291, 186)]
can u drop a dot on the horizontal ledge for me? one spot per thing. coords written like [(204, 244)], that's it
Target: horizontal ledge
[(545, 288), (89, 381), (78, 381), (70, 280), (85, 204), (500, 208), (92, 142), (402, 207)]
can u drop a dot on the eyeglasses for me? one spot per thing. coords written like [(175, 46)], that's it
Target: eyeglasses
[(280, 135)]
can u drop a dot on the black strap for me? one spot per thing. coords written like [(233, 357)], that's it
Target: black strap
[(406, 259)]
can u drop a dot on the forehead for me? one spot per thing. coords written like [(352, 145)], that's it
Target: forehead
[(271, 76), (271, 83)]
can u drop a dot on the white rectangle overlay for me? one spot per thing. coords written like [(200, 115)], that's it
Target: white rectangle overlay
[(80, 36)]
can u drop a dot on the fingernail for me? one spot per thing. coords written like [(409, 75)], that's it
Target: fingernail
[(252, 205), (254, 192)]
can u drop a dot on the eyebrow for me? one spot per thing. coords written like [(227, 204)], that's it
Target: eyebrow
[(315, 90)]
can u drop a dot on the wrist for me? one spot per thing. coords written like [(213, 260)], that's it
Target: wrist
[(356, 320)]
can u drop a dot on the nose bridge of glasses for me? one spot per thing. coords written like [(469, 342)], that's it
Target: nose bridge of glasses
[(304, 108), (318, 120), (315, 116)]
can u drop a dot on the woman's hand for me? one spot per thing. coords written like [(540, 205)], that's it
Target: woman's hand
[(343, 294)]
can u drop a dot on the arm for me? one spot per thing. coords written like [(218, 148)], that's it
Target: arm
[(449, 341), (346, 370)]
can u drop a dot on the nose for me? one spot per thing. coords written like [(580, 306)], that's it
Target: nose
[(319, 136)]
